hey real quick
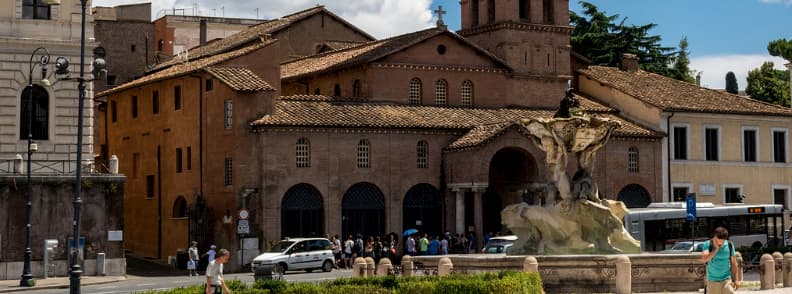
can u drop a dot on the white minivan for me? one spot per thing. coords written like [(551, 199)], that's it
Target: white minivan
[(295, 254)]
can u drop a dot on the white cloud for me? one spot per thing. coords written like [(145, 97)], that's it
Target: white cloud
[(776, 1), (380, 18), (715, 67)]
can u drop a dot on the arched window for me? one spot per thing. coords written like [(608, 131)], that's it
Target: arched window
[(423, 154), (525, 10), (467, 93), (441, 90), (179, 207), (415, 91), (356, 88), (40, 129), (317, 91), (490, 11), (549, 12), (632, 159), (363, 154), (303, 153)]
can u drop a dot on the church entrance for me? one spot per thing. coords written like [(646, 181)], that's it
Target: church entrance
[(634, 196), (512, 170), (363, 210), (302, 212), (423, 209)]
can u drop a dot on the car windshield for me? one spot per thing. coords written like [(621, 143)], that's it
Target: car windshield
[(682, 246), (281, 246), (493, 249)]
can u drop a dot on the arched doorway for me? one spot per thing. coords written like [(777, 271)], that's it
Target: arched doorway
[(363, 210), (634, 196), (301, 212), (511, 172), (423, 209)]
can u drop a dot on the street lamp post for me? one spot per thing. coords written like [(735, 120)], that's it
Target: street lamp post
[(98, 66), (27, 277)]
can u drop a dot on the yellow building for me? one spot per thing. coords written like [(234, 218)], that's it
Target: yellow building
[(722, 147)]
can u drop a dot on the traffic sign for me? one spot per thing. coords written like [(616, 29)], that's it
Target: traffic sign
[(243, 213), (690, 202), (243, 227)]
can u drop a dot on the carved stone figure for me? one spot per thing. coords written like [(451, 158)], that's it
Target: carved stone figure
[(572, 218)]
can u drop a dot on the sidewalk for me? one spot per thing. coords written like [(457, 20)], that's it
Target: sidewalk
[(56, 283)]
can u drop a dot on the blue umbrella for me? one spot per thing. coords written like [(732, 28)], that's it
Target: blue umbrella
[(410, 232)]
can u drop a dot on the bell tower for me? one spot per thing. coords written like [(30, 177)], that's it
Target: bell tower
[(532, 36)]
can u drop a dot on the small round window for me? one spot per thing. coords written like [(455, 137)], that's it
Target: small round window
[(441, 49)]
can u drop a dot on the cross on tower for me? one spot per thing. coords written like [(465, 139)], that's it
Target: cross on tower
[(439, 11)]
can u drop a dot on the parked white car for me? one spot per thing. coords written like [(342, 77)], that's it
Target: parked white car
[(295, 254)]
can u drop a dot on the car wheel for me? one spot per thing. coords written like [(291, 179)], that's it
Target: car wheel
[(327, 266), (280, 268)]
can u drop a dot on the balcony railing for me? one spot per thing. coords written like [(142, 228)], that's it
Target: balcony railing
[(52, 167)]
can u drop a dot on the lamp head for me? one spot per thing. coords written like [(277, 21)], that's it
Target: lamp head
[(61, 66)]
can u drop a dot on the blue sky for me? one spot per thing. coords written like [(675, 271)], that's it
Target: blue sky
[(723, 35)]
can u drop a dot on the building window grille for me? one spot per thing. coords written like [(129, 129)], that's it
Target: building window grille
[(415, 91), (467, 93), (632, 159), (228, 114), (749, 145), (229, 171), (680, 143), (441, 91), (711, 144), (303, 153), (363, 154), (423, 154), (779, 146)]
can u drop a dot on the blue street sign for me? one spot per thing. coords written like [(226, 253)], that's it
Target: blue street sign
[(690, 201)]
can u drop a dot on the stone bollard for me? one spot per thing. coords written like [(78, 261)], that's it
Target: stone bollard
[(530, 265), (779, 269), (767, 272), (19, 168), (408, 268), (359, 268), (623, 275), (788, 269), (384, 267), (444, 266), (113, 165), (370, 265), (740, 265)]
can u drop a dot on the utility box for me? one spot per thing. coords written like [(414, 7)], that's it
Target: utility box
[(100, 264), (49, 247)]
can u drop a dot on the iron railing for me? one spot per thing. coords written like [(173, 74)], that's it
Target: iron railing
[(53, 167)]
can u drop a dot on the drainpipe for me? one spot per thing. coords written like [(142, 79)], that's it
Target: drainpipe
[(668, 147)]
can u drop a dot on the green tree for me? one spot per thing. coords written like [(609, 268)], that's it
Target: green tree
[(782, 48), (731, 83), (681, 69), (769, 84), (600, 38)]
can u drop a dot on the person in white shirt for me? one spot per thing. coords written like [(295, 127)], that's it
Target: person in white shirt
[(348, 251), (215, 284), (192, 253)]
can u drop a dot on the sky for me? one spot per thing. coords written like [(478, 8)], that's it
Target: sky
[(723, 35)]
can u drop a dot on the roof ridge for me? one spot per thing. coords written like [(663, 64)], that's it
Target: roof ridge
[(316, 8)]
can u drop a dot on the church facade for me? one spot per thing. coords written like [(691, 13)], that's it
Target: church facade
[(415, 131)]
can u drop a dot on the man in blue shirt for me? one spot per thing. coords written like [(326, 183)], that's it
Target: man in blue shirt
[(718, 255)]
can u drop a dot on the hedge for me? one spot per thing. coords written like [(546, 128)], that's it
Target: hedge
[(503, 282)]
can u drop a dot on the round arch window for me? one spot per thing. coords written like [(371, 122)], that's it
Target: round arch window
[(441, 49)]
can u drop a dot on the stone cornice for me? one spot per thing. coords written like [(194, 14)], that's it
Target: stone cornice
[(438, 67), (516, 26), (361, 130)]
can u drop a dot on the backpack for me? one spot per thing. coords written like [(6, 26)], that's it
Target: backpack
[(356, 247), (729, 244)]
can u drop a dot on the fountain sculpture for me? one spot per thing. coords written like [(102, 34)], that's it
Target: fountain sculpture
[(569, 217)]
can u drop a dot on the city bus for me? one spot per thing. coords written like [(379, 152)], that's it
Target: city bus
[(661, 225)]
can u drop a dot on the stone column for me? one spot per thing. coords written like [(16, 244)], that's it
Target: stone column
[(460, 211), (623, 275), (530, 265), (359, 268), (444, 267), (407, 266), (370, 266), (788, 269), (478, 216), (740, 265), (779, 261), (384, 267)]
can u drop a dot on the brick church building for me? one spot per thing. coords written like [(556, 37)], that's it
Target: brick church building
[(415, 131)]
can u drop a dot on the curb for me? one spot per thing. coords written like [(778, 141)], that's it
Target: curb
[(59, 286)]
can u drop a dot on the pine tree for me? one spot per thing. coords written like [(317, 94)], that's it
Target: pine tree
[(681, 69), (769, 84), (782, 48), (731, 83)]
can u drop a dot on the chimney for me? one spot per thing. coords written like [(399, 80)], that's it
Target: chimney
[(629, 62), (203, 32)]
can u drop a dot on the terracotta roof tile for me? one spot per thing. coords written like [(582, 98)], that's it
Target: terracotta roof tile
[(672, 95), (239, 79), (249, 34), (481, 124), (185, 68), (366, 53)]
